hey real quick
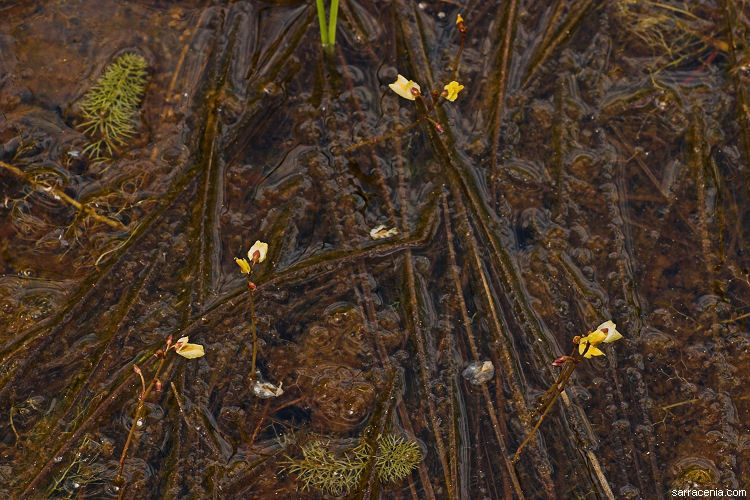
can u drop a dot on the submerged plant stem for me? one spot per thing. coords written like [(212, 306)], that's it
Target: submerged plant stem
[(255, 334), (398, 131), (552, 394), (60, 194), (138, 412)]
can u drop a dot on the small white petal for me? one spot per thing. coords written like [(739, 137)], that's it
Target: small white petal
[(261, 248), (611, 331)]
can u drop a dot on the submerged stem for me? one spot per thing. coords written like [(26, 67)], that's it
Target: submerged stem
[(255, 335), (61, 195), (138, 411), (552, 394), (400, 131)]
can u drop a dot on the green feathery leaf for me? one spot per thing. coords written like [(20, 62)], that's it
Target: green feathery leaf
[(109, 107)]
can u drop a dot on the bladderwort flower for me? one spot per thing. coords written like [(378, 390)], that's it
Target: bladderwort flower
[(587, 347), (187, 350), (405, 88), (604, 333), (244, 265), (256, 254), (258, 251), (451, 90)]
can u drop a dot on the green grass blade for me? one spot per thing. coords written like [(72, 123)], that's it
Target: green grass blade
[(322, 21), (332, 22)]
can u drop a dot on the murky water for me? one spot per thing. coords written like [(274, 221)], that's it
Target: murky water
[(594, 167)]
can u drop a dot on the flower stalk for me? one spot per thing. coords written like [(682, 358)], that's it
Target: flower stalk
[(181, 347), (409, 89), (256, 254), (585, 347)]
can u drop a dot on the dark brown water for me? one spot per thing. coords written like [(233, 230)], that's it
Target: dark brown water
[(595, 167)]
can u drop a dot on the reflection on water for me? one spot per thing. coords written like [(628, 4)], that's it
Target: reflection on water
[(593, 167)]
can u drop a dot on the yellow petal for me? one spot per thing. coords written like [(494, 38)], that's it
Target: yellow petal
[(596, 338), (190, 351), (244, 265), (459, 19), (403, 87), (593, 351), (452, 89)]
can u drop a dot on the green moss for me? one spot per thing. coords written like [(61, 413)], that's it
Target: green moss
[(323, 470), (337, 473), (396, 458), (109, 108)]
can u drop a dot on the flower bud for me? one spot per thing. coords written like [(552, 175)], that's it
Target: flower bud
[(560, 361)]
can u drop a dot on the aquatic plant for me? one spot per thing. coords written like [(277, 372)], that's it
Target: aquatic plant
[(110, 107), (323, 470), (337, 473), (255, 255), (83, 470), (672, 31), (181, 347), (327, 32), (396, 458), (587, 347), (43, 184), (409, 89)]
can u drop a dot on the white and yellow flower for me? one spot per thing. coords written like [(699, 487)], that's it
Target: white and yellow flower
[(257, 252), (606, 332), (405, 88), (187, 350)]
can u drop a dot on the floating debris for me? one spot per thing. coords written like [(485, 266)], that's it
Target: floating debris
[(380, 232), (265, 390), (480, 372)]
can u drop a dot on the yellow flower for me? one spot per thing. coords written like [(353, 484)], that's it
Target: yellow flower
[(261, 249), (606, 332), (186, 350), (403, 87), (244, 265), (452, 90), (459, 19)]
